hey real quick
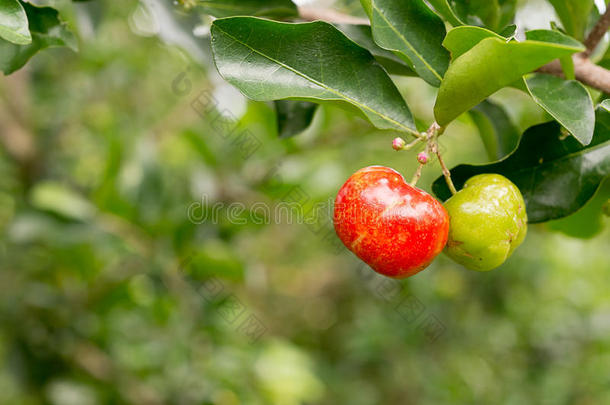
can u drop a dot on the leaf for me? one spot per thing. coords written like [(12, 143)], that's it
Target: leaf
[(414, 32), (553, 36), (557, 37), (476, 12), (293, 117), (462, 39), (486, 68), (500, 136), (443, 9), (508, 31), (588, 221), (556, 174), (363, 36), (261, 8), (568, 101), (14, 23), (46, 30), (270, 60), (573, 15)]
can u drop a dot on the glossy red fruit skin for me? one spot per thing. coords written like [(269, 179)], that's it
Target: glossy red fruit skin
[(395, 228)]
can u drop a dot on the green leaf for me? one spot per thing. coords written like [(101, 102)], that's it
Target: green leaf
[(573, 15), (47, 31), (261, 8), (14, 23), (500, 136), (557, 37), (489, 66), (588, 221), (567, 101), (444, 9), (554, 37), (363, 36), (508, 31), (462, 39), (494, 14), (270, 60), (293, 117), (412, 30), (556, 174), (485, 12)]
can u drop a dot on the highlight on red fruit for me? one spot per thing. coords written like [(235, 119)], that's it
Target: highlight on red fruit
[(396, 228)]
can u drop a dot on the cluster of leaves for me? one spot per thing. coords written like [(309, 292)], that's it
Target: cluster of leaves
[(259, 49), (27, 28), (299, 65)]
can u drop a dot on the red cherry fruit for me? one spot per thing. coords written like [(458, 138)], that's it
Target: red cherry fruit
[(395, 228)]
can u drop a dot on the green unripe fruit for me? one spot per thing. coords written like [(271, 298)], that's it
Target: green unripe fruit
[(487, 222)]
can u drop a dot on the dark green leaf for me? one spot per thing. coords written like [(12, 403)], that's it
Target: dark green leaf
[(556, 174), (412, 30), (47, 31), (293, 117), (268, 8), (494, 14), (567, 101), (14, 23), (499, 135), (573, 15), (270, 60), (489, 66), (362, 35)]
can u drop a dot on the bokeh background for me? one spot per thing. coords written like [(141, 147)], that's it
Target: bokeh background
[(111, 292)]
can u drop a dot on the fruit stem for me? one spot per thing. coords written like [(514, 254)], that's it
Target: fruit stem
[(446, 171), (417, 175)]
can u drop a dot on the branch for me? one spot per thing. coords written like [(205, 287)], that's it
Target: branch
[(598, 32), (586, 72)]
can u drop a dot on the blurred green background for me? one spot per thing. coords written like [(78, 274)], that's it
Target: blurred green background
[(111, 294)]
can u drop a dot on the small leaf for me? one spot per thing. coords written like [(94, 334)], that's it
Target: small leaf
[(556, 174), (508, 31), (567, 101), (270, 60), (573, 15), (412, 30), (462, 39), (554, 37), (47, 31), (486, 68), (557, 37), (293, 117), (260, 8), (500, 136), (14, 23), (443, 9), (363, 36)]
